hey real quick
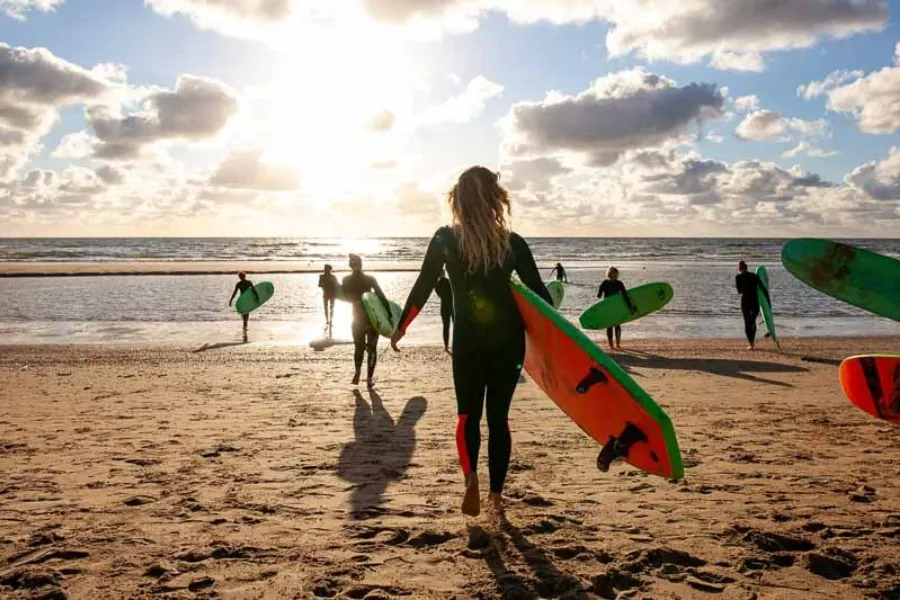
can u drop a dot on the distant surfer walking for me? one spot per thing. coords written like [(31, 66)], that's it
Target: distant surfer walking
[(365, 337), (240, 287), (609, 287), (328, 282), (445, 293), (480, 253), (747, 284), (560, 273)]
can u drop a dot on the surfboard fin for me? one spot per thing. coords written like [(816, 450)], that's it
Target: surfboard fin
[(619, 447)]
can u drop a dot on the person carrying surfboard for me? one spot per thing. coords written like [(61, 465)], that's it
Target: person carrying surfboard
[(611, 286), (560, 273), (239, 288), (480, 253), (328, 282), (445, 293), (365, 337), (747, 284)]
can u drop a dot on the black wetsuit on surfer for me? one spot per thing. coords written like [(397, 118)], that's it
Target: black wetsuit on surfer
[(365, 337), (609, 287), (240, 287), (747, 284), (445, 293), (488, 332)]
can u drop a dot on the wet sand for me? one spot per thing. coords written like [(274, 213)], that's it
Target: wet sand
[(245, 471)]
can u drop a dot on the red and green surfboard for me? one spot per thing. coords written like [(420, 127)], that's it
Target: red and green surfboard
[(592, 389), (872, 382)]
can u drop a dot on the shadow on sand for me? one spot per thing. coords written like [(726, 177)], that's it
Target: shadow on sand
[(219, 345), (739, 369), (381, 451), (548, 580)]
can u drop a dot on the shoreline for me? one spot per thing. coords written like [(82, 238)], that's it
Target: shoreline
[(667, 344)]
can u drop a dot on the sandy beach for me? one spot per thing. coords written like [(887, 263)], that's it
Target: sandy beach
[(249, 471)]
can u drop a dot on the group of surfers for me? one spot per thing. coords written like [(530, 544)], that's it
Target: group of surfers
[(468, 264)]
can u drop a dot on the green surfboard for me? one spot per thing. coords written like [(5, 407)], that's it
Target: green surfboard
[(609, 312), (383, 323), (557, 292), (865, 279), (247, 301), (763, 275)]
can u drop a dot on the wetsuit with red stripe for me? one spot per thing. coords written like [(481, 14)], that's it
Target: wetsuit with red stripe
[(488, 342)]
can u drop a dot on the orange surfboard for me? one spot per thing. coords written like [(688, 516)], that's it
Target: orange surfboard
[(595, 392), (872, 382)]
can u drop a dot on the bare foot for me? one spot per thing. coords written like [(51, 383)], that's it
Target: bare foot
[(370, 383), (750, 347), (446, 349), (356, 379), (471, 504), (618, 346), (496, 501)]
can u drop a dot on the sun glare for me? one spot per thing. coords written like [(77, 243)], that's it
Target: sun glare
[(338, 107)]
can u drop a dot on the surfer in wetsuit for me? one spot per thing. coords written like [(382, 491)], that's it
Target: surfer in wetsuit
[(240, 287), (747, 284), (480, 253), (560, 273), (445, 293), (609, 287), (328, 283), (365, 337)]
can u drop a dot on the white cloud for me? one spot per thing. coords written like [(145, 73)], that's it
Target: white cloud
[(247, 170), (619, 112), (17, 9), (715, 137), (746, 103), (729, 60), (734, 32), (383, 121), (768, 125), (234, 17), (880, 180), (33, 85), (812, 89), (874, 101), (110, 175), (536, 174), (465, 106), (804, 147), (198, 108), (762, 125), (74, 145)]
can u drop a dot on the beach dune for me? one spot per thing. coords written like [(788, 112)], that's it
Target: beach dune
[(260, 472)]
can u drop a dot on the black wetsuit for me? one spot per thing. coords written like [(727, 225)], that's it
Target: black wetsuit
[(747, 283), (488, 342), (239, 288), (365, 338), (560, 274), (609, 288), (328, 283), (445, 293)]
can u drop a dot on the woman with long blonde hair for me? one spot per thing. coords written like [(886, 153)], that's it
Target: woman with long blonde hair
[(480, 253)]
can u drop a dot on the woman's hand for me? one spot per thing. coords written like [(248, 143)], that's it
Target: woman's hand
[(396, 337)]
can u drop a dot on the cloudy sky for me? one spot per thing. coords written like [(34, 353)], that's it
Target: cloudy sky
[(353, 117)]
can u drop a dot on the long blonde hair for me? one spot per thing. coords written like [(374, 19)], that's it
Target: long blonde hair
[(480, 207)]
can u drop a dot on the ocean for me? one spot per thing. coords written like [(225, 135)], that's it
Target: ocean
[(194, 308)]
